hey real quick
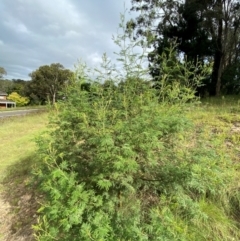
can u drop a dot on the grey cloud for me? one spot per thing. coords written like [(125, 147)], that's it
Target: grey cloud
[(39, 32)]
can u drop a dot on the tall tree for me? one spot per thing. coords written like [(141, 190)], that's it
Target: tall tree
[(2, 72), (48, 80), (203, 29)]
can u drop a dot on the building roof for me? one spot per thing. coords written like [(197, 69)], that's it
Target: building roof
[(3, 93)]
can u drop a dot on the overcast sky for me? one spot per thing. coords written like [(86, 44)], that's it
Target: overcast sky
[(40, 32)]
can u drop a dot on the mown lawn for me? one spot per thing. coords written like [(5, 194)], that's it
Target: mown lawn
[(18, 138), (17, 157)]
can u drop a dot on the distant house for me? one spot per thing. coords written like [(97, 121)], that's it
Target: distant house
[(4, 103)]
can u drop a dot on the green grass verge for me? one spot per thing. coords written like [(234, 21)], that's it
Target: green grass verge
[(17, 138), (18, 158)]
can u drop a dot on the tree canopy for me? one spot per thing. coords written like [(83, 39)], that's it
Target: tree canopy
[(20, 100), (48, 80), (206, 31)]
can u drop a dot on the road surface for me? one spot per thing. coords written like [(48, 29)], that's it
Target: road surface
[(4, 114)]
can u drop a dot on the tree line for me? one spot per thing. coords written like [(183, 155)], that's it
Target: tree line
[(44, 86), (206, 31)]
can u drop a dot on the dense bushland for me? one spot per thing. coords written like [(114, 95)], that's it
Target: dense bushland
[(122, 161)]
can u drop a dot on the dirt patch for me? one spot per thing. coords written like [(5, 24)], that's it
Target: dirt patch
[(18, 212), (19, 202), (235, 127), (5, 219)]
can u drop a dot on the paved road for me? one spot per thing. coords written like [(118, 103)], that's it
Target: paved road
[(17, 112)]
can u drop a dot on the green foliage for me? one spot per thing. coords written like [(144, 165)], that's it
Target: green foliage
[(178, 80), (117, 165), (20, 86), (15, 85), (6, 85), (230, 79), (20, 100), (206, 31), (47, 81)]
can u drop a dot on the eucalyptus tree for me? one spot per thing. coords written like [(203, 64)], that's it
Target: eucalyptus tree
[(48, 80), (204, 30)]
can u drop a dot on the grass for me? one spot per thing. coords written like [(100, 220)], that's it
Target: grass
[(220, 120), (17, 138), (17, 149), (217, 125)]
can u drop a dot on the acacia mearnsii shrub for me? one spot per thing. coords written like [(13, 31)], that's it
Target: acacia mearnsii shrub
[(115, 167)]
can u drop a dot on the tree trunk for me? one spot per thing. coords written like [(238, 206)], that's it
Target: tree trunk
[(54, 98), (218, 57), (216, 74), (219, 77)]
